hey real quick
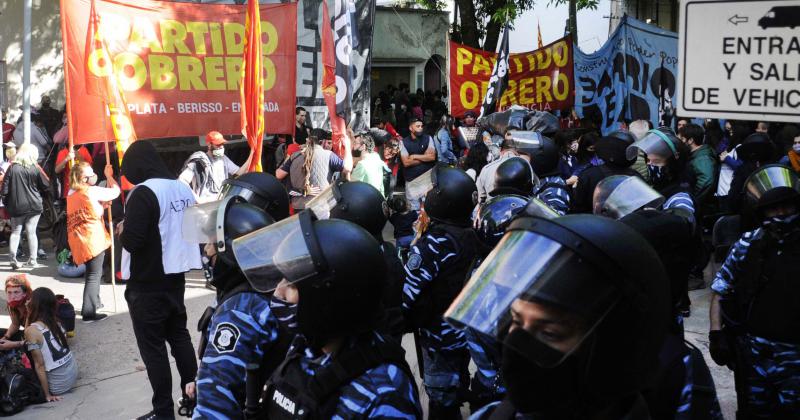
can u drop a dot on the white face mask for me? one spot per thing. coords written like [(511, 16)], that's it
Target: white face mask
[(218, 152), (796, 148)]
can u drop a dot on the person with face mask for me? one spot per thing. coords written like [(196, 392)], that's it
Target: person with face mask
[(581, 322), (245, 327), (86, 233), (205, 171), (370, 167), (338, 366), (438, 263), (754, 318), (64, 161), (18, 293)]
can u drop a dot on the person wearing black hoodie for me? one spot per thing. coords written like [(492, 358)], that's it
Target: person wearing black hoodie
[(612, 150), (155, 289)]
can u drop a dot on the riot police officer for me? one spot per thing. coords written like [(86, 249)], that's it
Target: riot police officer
[(338, 366), (242, 329), (612, 150), (514, 176), (437, 266), (580, 305), (757, 295), (552, 188)]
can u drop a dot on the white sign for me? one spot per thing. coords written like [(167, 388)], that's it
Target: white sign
[(740, 59)]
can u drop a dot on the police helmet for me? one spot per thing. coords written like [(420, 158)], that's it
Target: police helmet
[(772, 185), (451, 197), (612, 149), (544, 160), (495, 215), (526, 142), (543, 122), (513, 176), (337, 266), (661, 142), (356, 202), (619, 195), (757, 147), (599, 277), (261, 190)]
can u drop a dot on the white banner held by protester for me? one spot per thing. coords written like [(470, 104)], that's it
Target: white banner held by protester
[(740, 59)]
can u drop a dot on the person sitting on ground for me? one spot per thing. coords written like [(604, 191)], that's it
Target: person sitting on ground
[(18, 293), (54, 363)]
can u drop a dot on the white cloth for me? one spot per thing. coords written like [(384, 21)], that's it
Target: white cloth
[(726, 176), (177, 255)]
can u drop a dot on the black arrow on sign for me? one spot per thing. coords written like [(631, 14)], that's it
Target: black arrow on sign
[(736, 19)]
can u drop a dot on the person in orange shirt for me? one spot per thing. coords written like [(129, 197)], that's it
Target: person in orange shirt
[(63, 165), (87, 236)]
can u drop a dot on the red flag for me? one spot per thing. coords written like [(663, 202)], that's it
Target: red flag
[(539, 30), (101, 80), (252, 85), (338, 126)]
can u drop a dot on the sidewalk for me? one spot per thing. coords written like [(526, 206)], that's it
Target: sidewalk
[(112, 383)]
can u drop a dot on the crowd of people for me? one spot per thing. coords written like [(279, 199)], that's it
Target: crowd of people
[(556, 259)]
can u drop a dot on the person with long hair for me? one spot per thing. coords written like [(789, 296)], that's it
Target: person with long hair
[(18, 293), (23, 186), (309, 169), (54, 363), (86, 232), (476, 159)]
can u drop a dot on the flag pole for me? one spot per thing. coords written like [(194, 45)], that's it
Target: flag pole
[(111, 230), (26, 72)]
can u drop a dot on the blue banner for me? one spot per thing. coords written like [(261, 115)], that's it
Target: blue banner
[(632, 77)]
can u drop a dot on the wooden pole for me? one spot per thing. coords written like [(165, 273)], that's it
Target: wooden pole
[(111, 229)]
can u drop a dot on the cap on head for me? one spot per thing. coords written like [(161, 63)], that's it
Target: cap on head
[(215, 138)]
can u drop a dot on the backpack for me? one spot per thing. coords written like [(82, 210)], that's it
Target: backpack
[(18, 390), (65, 312)]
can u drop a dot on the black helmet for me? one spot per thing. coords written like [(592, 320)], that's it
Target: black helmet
[(240, 219), (513, 176), (452, 197), (495, 215), (757, 147), (584, 268), (262, 190), (544, 160), (619, 195), (356, 202), (660, 141), (612, 149), (772, 185)]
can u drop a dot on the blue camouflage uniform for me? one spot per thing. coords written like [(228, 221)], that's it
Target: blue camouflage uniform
[(773, 371), (553, 191), (444, 348), (385, 391), (485, 353), (683, 201), (241, 331)]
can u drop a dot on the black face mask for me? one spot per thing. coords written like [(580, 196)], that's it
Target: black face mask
[(532, 388), (356, 153), (782, 226), (285, 312), (659, 175)]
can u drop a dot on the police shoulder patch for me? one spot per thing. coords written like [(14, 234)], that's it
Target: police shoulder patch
[(226, 336), (414, 261)]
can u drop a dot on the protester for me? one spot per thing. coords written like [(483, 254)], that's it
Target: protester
[(18, 293), (8, 128), (86, 231), (418, 155), (51, 117), (155, 289), (39, 137), (310, 169), (792, 158), (753, 317), (64, 161), (301, 130), (205, 171), (24, 183), (702, 161), (402, 219), (585, 156), (370, 167), (55, 364), (567, 143), (476, 160), (444, 143), (611, 150)]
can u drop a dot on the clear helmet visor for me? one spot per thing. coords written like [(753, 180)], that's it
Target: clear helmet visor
[(654, 143), (532, 282), (525, 141), (419, 186), (768, 178), (326, 201), (205, 223), (275, 252), (469, 134), (538, 208), (230, 189), (619, 195)]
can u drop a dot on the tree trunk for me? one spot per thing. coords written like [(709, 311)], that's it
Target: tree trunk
[(573, 20), (492, 35), (469, 25)]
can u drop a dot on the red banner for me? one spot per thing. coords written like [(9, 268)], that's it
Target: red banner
[(179, 65), (541, 79)]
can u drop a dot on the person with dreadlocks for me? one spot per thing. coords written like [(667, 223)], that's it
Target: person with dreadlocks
[(309, 169)]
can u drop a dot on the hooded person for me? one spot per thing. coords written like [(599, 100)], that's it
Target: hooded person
[(612, 150), (155, 259)]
